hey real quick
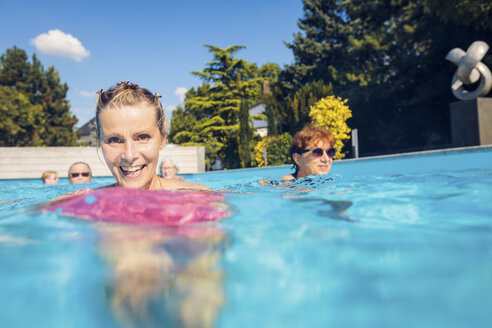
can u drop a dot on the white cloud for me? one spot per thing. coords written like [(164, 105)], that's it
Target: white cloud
[(180, 92), (58, 43), (86, 94)]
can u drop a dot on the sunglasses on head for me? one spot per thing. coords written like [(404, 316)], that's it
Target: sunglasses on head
[(318, 152), (84, 174)]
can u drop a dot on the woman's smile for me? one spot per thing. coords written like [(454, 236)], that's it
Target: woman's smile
[(132, 171)]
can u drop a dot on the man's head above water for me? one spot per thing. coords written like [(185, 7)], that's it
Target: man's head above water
[(79, 172)]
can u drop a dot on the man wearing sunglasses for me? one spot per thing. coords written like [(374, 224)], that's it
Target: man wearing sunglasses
[(79, 172), (312, 152)]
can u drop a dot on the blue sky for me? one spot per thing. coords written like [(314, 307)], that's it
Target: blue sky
[(156, 44)]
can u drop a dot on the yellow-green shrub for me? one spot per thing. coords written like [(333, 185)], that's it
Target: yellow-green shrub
[(332, 114), (259, 152)]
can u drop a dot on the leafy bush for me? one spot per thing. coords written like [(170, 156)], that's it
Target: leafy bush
[(277, 149), (332, 114)]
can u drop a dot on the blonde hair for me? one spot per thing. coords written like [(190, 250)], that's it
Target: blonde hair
[(46, 175), (130, 94)]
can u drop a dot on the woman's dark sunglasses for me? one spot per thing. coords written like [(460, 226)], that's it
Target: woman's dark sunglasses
[(318, 152), (84, 174)]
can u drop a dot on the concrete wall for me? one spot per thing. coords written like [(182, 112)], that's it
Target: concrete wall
[(471, 122), (30, 162)]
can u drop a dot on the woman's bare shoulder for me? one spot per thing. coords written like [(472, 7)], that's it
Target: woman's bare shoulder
[(178, 184), (287, 177)]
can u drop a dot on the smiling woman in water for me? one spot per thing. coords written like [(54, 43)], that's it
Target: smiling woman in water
[(312, 152), (131, 129)]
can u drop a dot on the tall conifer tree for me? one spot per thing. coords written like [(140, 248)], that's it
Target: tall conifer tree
[(245, 134), (43, 89), (387, 58), (215, 105)]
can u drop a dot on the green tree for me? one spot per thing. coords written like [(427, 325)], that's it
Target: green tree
[(178, 123), (275, 101), (276, 148), (59, 128), (387, 58), (42, 88), (474, 13), (15, 69), (20, 121), (215, 105), (299, 103), (229, 81), (195, 126), (288, 110), (245, 135)]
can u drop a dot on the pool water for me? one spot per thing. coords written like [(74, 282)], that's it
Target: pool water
[(400, 241)]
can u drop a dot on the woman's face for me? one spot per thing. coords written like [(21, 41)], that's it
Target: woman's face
[(130, 141), (52, 179), (79, 173), (308, 164), (168, 171)]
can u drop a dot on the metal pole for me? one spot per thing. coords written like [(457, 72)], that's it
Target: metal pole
[(355, 143), (265, 160)]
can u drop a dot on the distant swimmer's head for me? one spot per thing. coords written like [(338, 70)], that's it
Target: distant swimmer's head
[(168, 169), (50, 178), (79, 172), (312, 151), (131, 129)]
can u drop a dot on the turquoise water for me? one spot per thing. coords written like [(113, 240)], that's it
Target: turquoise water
[(391, 242)]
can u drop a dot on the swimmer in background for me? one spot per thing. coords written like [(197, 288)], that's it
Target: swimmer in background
[(169, 170), (79, 172), (312, 152), (50, 178), (131, 129)]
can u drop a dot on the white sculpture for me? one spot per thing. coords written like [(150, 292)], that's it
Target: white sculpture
[(470, 70)]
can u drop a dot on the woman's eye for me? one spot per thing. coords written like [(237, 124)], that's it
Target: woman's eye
[(143, 137), (113, 140)]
